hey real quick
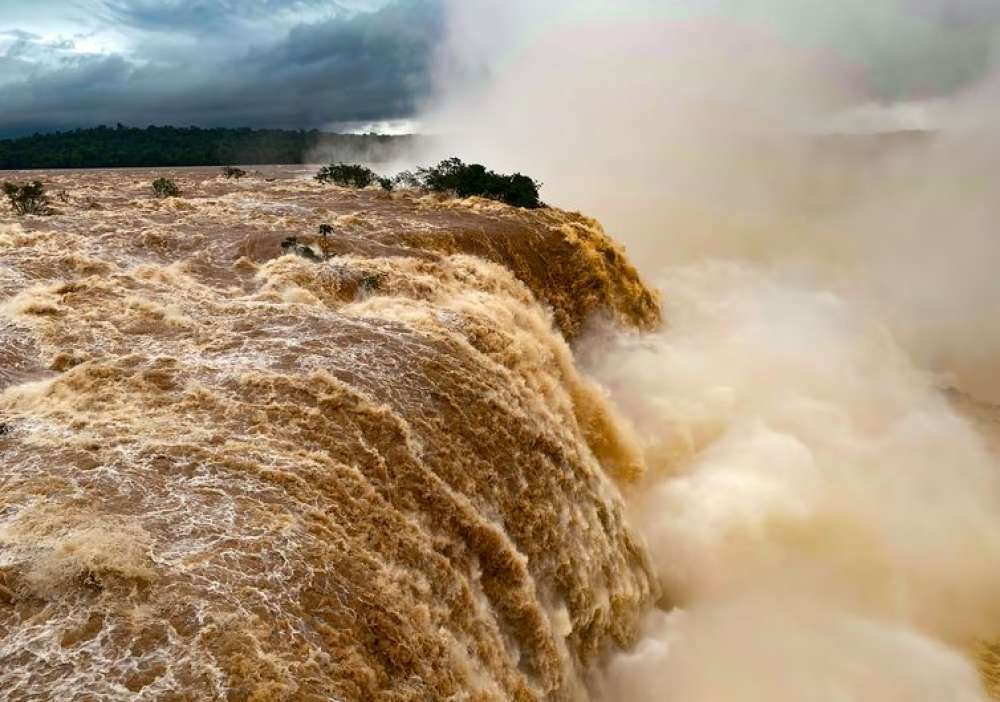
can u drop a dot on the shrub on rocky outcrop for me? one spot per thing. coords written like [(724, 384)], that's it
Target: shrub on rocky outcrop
[(450, 176), (347, 175), (28, 198), (467, 180), (164, 187)]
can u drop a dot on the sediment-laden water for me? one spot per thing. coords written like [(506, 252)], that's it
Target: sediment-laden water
[(230, 473)]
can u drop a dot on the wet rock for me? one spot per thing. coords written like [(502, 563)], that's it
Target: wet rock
[(292, 245)]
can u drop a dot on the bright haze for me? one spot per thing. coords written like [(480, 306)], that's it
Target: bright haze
[(757, 129), (810, 185)]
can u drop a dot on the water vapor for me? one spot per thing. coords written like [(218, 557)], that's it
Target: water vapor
[(822, 519), (692, 131), (817, 507)]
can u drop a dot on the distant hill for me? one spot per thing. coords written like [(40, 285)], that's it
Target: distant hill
[(123, 147)]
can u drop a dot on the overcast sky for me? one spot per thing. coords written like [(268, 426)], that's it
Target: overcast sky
[(269, 63), (316, 63)]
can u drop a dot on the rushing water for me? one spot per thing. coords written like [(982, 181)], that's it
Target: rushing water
[(234, 474), (229, 474)]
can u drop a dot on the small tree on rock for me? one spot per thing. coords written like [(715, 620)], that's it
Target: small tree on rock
[(28, 198), (164, 187), (347, 175)]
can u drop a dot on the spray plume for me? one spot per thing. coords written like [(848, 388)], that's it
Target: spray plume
[(822, 519)]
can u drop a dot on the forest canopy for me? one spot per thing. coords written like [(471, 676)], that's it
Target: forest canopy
[(123, 147)]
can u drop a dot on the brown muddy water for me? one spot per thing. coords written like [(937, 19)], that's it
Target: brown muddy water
[(233, 474)]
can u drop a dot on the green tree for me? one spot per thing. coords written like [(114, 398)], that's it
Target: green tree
[(467, 180), (164, 187), (347, 175), (28, 198)]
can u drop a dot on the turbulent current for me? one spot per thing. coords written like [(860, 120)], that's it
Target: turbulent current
[(451, 451), (230, 473)]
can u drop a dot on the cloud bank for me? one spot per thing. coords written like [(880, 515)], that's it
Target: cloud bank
[(267, 63), (307, 63)]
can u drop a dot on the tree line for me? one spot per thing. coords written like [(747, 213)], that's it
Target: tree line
[(130, 147)]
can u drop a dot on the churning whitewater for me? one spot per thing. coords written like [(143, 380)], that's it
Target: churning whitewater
[(235, 474), (464, 458)]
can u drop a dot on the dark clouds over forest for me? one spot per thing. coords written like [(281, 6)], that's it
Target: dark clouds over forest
[(263, 63), (315, 63)]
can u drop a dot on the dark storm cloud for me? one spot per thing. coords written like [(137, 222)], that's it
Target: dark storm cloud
[(200, 16), (353, 66), (306, 63)]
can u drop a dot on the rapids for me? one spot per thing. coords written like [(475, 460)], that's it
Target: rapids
[(233, 474), (464, 458)]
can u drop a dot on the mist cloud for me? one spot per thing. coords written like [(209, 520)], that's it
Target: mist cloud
[(822, 519), (689, 137), (890, 51)]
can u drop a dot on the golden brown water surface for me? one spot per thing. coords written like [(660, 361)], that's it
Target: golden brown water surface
[(232, 474)]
